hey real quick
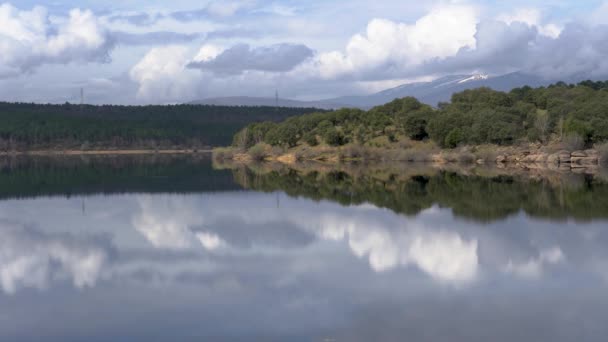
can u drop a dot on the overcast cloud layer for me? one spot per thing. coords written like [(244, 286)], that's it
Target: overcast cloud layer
[(156, 52)]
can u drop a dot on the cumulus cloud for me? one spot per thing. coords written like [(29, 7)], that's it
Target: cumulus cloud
[(162, 75), (387, 47), (579, 51), (166, 74), (450, 39), (531, 17), (29, 39), (29, 258), (454, 39), (242, 57)]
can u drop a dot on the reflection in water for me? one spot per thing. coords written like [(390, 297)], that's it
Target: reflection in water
[(166, 224), (534, 266), (233, 265), (434, 243), (484, 194), (29, 258), (443, 254)]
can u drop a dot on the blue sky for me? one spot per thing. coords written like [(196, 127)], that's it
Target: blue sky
[(136, 51)]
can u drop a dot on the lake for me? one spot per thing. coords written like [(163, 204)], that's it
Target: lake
[(163, 248)]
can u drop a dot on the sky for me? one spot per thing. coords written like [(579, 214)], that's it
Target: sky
[(160, 52)]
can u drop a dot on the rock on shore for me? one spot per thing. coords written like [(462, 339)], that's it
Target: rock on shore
[(573, 159)]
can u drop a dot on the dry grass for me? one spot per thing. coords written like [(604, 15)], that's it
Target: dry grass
[(354, 152), (487, 153)]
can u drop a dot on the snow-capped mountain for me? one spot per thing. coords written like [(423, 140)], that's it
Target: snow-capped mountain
[(439, 90), (478, 77), (442, 88)]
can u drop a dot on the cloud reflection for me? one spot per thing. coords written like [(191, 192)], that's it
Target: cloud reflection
[(444, 255), (29, 258), (534, 267), (166, 223)]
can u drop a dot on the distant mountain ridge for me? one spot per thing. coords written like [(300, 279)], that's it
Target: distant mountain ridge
[(269, 102), (439, 90)]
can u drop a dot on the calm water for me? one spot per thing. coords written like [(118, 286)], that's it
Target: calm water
[(169, 249)]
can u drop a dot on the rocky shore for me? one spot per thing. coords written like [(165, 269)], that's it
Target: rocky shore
[(574, 159), (536, 157)]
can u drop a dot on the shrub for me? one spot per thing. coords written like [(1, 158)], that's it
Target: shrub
[(311, 139), (392, 137), (454, 138), (257, 152), (333, 137)]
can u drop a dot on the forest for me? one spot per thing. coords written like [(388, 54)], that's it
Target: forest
[(69, 126), (473, 117)]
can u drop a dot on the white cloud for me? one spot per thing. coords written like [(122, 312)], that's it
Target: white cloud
[(450, 39), (207, 52), (210, 241), (391, 45), (29, 39), (162, 75), (532, 17)]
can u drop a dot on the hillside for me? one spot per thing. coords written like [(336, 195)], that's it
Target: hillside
[(573, 115), (442, 89)]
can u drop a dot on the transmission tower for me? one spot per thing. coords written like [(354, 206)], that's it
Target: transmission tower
[(277, 99)]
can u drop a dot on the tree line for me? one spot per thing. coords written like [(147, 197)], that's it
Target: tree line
[(29, 126), (477, 116)]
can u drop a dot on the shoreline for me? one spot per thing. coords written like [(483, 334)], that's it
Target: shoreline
[(102, 152), (526, 157)]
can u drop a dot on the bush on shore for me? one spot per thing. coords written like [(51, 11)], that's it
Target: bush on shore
[(258, 152)]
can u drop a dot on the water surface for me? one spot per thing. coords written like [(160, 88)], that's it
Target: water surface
[(126, 249)]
